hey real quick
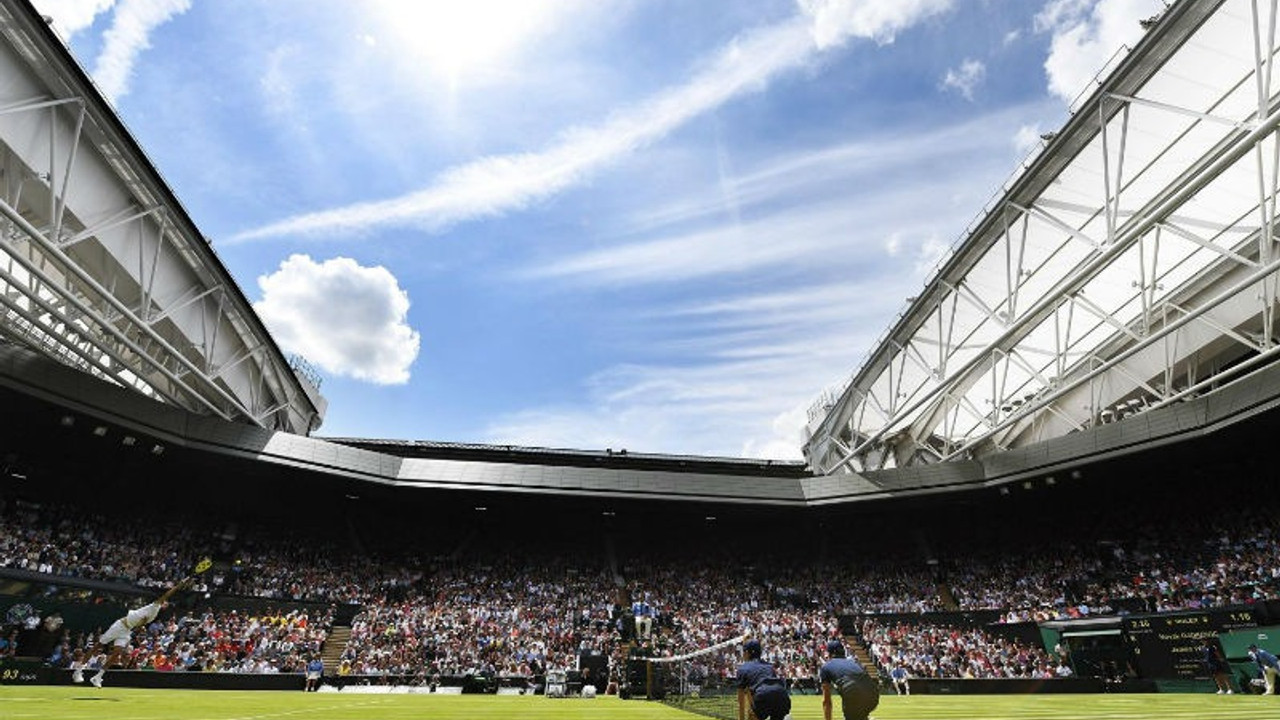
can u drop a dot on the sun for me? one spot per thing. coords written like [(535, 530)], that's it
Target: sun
[(459, 39)]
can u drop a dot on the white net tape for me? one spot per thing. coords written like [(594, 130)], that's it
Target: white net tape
[(698, 653)]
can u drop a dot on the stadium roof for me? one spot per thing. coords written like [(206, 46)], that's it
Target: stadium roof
[(56, 415), (609, 457), (1127, 266), (101, 267)]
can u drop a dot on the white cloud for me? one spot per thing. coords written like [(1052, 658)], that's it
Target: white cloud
[(1059, 13), (924, 250), (930, 252), (128, 36), (788, 436), (282, 101), (808, 177), (1027, 138), (72, 16), (818, 227), (1086, 35), (785, 238), (966, 78), (893, 244), (502, 183), (835, 21), (721, 394), (279, 97), (347, 319)]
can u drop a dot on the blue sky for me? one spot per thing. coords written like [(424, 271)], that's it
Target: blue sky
[(658, 225)]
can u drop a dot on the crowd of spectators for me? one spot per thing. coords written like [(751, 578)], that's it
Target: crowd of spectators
[(75, 543), (272, 641), (260, 563), (699, 603), (498, 613), (931, 651), (1225, 566), (509, 617)]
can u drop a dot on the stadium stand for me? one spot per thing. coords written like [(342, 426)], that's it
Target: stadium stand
[(505, 596)]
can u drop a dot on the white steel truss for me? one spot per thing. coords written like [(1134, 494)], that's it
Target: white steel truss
[(1130, 266), (100, 266)]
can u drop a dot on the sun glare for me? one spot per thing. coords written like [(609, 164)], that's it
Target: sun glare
[(458, 39)]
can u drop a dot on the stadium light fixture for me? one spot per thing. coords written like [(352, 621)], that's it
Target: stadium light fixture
[(608, 513), (67, 420), (1004, 490), (481, 508), (157, 449), (1050, 481), (711, 518), (128, 441), (100, 431)]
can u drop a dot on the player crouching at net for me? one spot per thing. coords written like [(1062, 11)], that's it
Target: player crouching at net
[(115, 641), (858, 693), (760, 688)]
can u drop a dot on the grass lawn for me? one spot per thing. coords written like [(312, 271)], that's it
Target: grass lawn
[(76, 703)]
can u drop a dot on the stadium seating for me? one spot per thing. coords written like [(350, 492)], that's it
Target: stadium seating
[(510, 615)]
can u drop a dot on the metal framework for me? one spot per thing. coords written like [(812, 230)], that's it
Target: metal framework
[(100, 266), (1130, 265)]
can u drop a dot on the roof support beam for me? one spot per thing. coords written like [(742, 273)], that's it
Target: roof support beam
[(1230, 151)]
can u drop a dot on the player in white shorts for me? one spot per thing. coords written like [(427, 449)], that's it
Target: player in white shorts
[(116, 639)]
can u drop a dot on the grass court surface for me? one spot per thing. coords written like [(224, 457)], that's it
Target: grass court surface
[(77, 703)]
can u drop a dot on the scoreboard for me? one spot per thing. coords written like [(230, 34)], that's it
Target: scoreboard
[(1171, 646)]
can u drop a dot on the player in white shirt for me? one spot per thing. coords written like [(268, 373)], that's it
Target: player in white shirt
[(116, 639)]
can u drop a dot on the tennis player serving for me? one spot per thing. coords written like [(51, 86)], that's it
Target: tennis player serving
[(115, 641)]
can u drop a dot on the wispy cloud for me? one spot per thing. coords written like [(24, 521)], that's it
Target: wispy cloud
[(835, 21), (740, 387), (966, 78), (128, 36), (739, 369), (810, 176), (1027, 137), (502, 183), (896, 176)]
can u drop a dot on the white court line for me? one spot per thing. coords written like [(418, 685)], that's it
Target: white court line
[(303, 711)]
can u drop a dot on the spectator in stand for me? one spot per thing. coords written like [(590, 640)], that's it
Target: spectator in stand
[(948, 652)]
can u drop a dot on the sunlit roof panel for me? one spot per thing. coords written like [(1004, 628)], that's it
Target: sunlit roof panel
[(1151, 187)]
